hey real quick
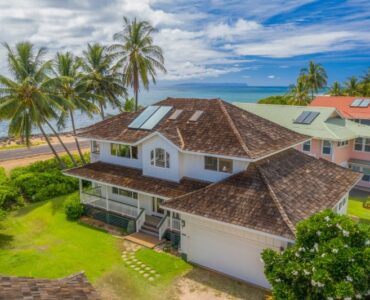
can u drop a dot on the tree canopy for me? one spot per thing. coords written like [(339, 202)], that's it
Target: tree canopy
[(329, 260)]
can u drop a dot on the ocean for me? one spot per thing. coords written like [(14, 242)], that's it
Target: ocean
[(227, 92)]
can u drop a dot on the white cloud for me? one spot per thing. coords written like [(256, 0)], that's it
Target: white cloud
[(271, 76), (226, 31)]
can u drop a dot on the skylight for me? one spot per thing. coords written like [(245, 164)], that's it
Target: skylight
[(176, 114), (196, 116), (361, 103), (150, 117), (306, 117)]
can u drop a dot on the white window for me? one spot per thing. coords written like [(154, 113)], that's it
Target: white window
[(218, 164), (160, 158), (95, 147), (362, 144), (307, 146), (358, 144), (326, 147), (125, 193), (123, 151), (343, 143)]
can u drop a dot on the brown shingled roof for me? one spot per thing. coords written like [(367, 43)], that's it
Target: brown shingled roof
[(133, 178), (74, 287), (272, 195), (222, 129)]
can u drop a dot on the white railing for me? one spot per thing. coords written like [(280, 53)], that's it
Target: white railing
[(109, 205), (176, 224), (140, 220), (162, 227)]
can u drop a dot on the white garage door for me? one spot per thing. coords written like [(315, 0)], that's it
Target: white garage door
[(227, 254)]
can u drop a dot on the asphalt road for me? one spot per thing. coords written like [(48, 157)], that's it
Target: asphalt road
[(37, 150)]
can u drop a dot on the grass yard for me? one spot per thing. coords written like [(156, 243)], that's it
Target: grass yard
[(355, 208), (38, 241)]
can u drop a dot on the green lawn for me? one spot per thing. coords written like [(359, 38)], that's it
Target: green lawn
[(355, 208), (38, 241)]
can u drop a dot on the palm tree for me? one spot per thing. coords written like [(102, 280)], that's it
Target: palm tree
[(24, 99), (299, 94), (352, 86), (336, 89), (137, 55), (73, 91), (316, 77), (101, 77)]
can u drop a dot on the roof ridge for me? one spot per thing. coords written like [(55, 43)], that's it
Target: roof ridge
[(234, 129), (181, 138), (280, 208)]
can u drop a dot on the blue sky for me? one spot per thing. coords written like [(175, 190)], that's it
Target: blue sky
[(254, 42)]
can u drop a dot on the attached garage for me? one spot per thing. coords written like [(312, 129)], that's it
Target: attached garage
[(224, 252)]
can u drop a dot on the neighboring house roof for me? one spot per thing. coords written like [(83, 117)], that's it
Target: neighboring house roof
[(133, 179), (222, 129), (343, 105), (327, 125), (272, 195), (73, 287)]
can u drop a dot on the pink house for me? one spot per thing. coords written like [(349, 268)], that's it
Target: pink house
[(334, 138)]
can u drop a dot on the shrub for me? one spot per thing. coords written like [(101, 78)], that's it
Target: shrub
[(73, 208), (330, 260), (9, 194), (282, 100)]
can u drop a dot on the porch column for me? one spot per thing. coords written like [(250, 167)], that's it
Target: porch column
[(106, 197), (138, 204), (171, 220), (80, 187)]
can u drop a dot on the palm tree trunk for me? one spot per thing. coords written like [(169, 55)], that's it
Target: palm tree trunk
[(51, 147), (74, 133), (101, 111), (61, 142), (136, 87), (136, 99)]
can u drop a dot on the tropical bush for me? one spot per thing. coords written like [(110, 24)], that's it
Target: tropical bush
[(44, 179), (9, 195), (73, 208), (330, 260), (284, 100)]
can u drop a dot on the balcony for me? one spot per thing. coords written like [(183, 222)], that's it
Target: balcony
[(95, 197)]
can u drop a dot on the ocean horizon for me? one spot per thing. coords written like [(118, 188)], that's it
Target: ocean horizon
[(230, 92)]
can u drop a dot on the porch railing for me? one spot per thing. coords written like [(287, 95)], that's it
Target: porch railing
[(140, 220), (162, 227), (176, 224), (94, 198)]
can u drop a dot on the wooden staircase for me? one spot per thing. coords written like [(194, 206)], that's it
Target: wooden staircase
[(150, 226)]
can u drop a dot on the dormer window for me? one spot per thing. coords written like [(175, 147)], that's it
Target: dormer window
[(121, 150), (160, 158), (95, 147), (218, 164)]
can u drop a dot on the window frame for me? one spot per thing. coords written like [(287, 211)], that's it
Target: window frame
[(323, 147), (305, 144), (154, 158), (124, 193), (218, 169), (95, 147), (132, 150)]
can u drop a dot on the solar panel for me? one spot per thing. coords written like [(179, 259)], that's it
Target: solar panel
[(365, 103), (145, 115), (356, 102), (156, 117), (301, 117), (312, 116), (196, 115), (175, 115)]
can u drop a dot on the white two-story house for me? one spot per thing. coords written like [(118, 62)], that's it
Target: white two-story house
[(220, 182)]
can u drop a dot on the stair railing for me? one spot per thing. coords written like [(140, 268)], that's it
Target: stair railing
[(140, 219), (162, 227)]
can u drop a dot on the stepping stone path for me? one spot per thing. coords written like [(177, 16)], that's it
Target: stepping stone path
[(131, 261)]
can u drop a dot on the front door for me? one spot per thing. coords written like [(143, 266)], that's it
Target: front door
[(156, 202)]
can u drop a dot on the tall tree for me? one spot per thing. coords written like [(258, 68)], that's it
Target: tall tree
[(102, 78), (316, 77), (137, 55), (352, 86), (336, 89), (299, 94), (24, 99), (71, 87)]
